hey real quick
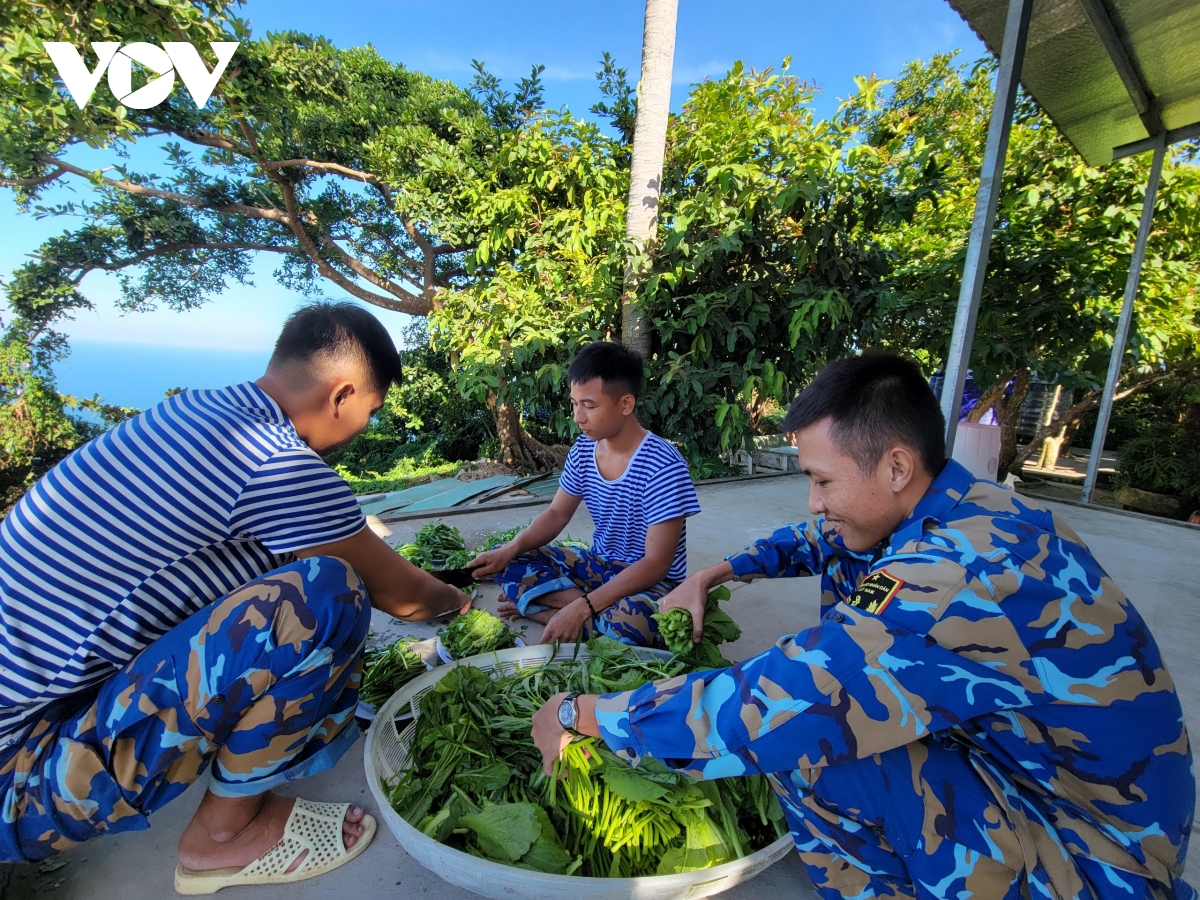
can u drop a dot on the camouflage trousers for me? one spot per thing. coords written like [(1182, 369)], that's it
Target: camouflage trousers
[(919, 821), (550, 569), (262, 683)]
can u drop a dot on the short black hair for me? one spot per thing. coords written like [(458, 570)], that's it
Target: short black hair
[(875, 401), (339, 329), (613, 363)]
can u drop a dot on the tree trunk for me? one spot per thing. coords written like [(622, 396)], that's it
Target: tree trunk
[(1068, 423), (518, 448), (1008, 411), (990, 397), (645, 176), (1067, 436)]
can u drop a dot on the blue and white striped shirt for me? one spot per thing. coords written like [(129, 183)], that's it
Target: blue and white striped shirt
[(654, 487), (145, 525)]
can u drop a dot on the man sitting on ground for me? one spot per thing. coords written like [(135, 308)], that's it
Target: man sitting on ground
[(194, 586), (980, 713), (638, 491)]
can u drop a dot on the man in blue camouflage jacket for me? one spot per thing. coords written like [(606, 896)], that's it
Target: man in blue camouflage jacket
[(981, 712)]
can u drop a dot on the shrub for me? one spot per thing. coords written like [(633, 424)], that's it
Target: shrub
[(1164, 456)]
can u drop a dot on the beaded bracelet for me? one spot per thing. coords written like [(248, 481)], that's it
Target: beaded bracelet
[(588, 601)]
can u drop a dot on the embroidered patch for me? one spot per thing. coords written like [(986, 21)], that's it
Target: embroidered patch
[(875, 593)]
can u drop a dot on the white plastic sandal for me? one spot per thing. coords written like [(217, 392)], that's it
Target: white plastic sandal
[(315, 828)]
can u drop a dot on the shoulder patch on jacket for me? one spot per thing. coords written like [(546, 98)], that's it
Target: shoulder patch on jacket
[(875, 592)]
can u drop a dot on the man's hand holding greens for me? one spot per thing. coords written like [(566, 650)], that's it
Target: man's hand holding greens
[(692, 594)]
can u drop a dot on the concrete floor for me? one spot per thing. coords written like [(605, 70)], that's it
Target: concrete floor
[(1154, 561)]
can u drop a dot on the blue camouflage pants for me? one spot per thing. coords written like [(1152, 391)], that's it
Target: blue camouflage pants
[(921, 822), (548, 569), (898, 824), (262, 684)]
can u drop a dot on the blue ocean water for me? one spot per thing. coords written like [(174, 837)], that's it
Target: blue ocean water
[(138, 375)]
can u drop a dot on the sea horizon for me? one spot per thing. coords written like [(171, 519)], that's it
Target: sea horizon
[(139, 375)]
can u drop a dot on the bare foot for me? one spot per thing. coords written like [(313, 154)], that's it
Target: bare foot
[(230, 832), (508, 611)]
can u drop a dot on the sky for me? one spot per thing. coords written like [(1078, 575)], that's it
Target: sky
[(829, 42)]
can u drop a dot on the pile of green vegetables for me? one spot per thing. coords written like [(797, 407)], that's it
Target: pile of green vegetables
[(499, 538), (476, 632), (387, 669), (476, 781), (437, 546), (675, 628)]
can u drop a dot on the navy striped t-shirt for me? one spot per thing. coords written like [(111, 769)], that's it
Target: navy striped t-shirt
[(143, 526), (654, 487)]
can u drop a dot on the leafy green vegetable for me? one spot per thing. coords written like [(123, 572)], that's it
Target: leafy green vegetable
[(476, 632), (547, 853), (631, 784), (437, 546), (572, 543), (476, 775), (386, 670), (675, 628), (499, 538), (504, 831)]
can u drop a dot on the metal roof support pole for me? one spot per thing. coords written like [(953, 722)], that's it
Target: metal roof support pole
[(1121, 339), (1016, 29)]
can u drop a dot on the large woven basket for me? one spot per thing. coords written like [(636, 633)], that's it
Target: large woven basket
[(387, 755)]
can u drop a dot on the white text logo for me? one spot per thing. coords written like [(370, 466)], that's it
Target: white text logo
[(163, 61)]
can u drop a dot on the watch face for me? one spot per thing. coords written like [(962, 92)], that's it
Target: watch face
[(566, 714)]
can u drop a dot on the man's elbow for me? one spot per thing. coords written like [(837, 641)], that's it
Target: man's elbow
[(404, 609), (661, 570)]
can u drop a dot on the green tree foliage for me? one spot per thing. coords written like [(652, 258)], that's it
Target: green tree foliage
[(786, 240), (38, 425), (1161, 450), (426, 425), (1060, 251), (769, 265)]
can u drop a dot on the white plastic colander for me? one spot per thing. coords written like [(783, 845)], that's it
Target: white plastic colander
[(386, 755)]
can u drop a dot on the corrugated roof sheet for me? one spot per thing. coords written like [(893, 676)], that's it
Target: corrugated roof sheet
[(1071, 75)]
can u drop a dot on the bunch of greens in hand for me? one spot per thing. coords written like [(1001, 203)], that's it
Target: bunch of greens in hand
[(476, 780), (436, 547), (675, 628), (499, 538), (476, 632), (386, 670)]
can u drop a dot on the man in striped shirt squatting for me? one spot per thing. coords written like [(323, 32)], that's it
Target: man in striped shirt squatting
[(195, 586), (980, 712), (638, 492)]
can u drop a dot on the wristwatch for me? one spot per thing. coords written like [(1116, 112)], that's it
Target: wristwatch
[(568, 712)]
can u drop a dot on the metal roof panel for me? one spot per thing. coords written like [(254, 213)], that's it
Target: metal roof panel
[(1071, 75)]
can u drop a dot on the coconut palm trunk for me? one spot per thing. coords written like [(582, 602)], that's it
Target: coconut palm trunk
[(649, 146)]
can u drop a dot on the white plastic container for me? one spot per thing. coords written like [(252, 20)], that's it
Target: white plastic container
[(444, 654), (977, 447), (387, 754)]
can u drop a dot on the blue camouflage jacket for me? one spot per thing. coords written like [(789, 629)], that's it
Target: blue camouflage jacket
[(984, 619)]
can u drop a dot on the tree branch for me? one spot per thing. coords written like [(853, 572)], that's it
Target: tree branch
[(408, 303), (36, 181), (379, 281), (172, 247), (324, 168), (140, 190), (1090, 401), (211, 139)]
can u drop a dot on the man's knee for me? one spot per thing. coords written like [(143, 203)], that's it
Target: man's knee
[(334, 595)]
